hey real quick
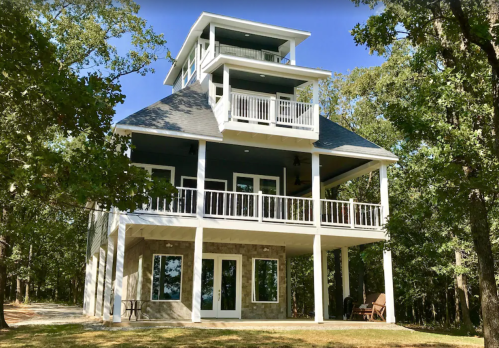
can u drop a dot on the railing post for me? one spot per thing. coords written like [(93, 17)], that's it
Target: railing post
[(273, 111), (260, 206), (352, 213)]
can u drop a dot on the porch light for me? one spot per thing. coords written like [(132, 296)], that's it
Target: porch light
[(192, 150), (262, 75), (246, 34), (296, 162), (246, 150)]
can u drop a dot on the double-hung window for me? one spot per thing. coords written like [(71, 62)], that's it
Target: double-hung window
[(166, 278), (265, 284), (189, 68)]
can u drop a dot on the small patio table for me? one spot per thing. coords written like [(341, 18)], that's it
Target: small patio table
[(134, 308)]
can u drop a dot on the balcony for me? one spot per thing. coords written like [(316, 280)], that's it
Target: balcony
[(267, 111), (262, 55), (261, 207)]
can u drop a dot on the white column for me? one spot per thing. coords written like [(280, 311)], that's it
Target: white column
[(109, 278), (315, 99), (201, 178), (318, 279), (387, 254), (86, 291), (325, 285), (93, 284), (212, 39), (316, 188), (196, 287), (288, 287), (345, 273), (226, 92), (292, 52), (100, 281), (118, 283), (139, 280)]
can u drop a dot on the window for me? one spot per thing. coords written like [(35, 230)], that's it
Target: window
[(269, 185), (265, 280), (166, 278)]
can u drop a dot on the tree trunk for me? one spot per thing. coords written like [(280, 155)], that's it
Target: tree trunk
[(18, 291), (447, 316), (361, 291), (457, 318), (480, 231), (338, 288), (4, 245), (26, 297), (462, 292)]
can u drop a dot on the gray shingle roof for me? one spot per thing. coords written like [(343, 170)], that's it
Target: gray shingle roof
[(332, 136), (188, 111), (185, 111)]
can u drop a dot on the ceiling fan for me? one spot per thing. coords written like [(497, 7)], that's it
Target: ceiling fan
[(299, 182), (298, 162)]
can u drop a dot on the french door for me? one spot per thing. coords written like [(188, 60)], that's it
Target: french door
[(221, 286)]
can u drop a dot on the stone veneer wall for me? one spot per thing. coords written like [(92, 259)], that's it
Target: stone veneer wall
[(182, 309)]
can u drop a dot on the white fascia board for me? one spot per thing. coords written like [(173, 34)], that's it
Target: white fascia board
[(239, 24), (270, 68), (385, 159), (168, 133), (273, 131)]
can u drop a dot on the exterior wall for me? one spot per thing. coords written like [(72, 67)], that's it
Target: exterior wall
[(182, 309)]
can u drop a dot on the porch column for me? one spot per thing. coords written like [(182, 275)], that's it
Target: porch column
[(292, 52), (93, 283), (120, 258), (345, 273), (226, 93), (100, 281), (109, 278), (325, 285), (201, 179), (212, 39), (86, 291), (196, 288), (318, 279), (315, 100), (288, 287), (387, 254), (316, 189)]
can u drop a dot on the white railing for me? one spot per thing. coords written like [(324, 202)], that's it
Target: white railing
[(368, 215), (287, 209), (183, 202), (336, 213), (251, 108), (233, 205), (351, 214), (297, 114), (270, 111)]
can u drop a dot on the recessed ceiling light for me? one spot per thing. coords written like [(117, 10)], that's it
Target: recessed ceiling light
[(246, 150), (246, 34), (262, 75)]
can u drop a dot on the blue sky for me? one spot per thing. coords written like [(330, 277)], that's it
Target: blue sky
[(330, 46)]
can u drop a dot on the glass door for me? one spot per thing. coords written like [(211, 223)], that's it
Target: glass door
[(221, 286)]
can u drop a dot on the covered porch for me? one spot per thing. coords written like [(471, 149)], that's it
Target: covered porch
[(138, 246)]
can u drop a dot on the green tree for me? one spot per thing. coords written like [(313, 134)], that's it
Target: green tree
[(56, 143), (444, 94)]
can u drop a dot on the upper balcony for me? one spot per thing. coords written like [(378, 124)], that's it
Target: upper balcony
[(250, 102)]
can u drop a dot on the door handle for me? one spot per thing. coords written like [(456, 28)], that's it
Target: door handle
[(218, 295)]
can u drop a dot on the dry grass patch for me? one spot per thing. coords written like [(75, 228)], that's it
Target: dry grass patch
[(77, 336)]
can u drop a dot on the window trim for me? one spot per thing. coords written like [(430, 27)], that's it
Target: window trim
[(181, 276), (256, 183), (150, 167), (194, 178), (253, 300)]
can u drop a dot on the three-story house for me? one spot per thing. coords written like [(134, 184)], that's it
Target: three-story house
[(251, 165)]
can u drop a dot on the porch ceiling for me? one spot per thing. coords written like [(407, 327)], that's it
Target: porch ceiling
[(296, 244)]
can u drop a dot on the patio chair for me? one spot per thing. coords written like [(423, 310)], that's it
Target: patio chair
[(375, 305)]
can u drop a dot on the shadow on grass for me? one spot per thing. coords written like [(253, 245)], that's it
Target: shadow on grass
[(75, 335)]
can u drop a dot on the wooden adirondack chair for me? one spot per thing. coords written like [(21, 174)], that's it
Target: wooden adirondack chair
[(375, 305)]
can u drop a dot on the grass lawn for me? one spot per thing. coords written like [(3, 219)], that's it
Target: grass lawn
[(77, 336)]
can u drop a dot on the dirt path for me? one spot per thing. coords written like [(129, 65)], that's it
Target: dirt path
[(46, 314), (15, 314)]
